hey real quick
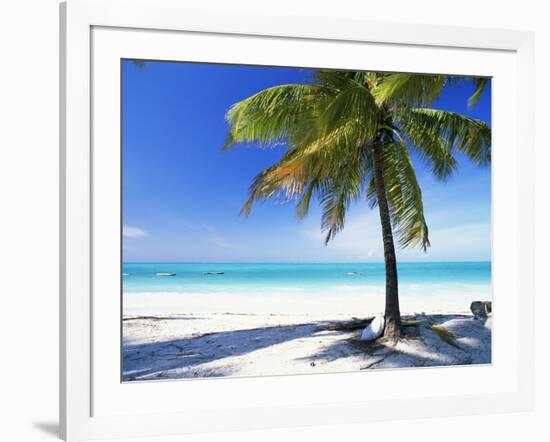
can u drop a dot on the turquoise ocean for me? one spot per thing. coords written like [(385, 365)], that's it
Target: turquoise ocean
[(434, 284)]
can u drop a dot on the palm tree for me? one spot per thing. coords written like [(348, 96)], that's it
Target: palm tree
[(348, 136)]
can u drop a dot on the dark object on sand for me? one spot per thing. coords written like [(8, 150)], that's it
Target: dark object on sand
[(354, 324), (481, 309), (213, 273)]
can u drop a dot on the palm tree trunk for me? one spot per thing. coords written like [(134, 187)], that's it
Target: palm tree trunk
[(392, 315)]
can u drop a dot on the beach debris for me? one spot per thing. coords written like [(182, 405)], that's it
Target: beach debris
[(372, 364), (481, 309), (165, 274), (355, 324), (146, 317), (312, 364), (213, 273), (353, 273), (412, 322), (373, 330), (445, 335)]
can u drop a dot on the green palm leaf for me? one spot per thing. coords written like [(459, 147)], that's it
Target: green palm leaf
[(430, 147), (345, 185), (409, 89), (456, 131), (480, 85), (404, 196), (271, 115)]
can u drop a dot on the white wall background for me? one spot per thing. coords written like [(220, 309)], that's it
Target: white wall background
[(29, 205)]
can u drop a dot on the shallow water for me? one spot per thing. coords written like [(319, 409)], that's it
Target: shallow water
[(437, 286)]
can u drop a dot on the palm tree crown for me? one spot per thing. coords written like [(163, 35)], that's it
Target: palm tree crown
[(344, 129)]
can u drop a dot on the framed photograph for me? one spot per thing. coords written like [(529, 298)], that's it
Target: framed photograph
[(285, 221)]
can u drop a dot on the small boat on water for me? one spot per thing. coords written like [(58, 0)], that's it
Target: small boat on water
[(125, 274), (165, 274), (353, 273), (213, 273)]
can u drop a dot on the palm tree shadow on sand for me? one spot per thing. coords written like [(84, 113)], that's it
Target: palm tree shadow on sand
[(183, 357), (420, 346)]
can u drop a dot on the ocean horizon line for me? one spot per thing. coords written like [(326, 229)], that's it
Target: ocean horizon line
[(308, 262)]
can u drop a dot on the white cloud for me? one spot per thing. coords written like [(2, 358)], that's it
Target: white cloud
[(132, 232)]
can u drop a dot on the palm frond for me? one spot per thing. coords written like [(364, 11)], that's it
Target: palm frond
[(337, 81), (343, 187), (404, 197), (270, 115), (332, 146), (409, 89), (480, 85), (353, 103), (430, 147), (283, 180), (302, 207), (341, 99), (325, 167), (468, 135)]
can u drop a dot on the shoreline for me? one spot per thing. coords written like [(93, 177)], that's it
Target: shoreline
[(219, 344), (357, 302)]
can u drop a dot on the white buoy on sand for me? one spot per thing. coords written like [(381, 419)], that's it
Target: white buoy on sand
[(373, 330)]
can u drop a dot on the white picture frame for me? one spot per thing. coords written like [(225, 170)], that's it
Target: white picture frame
[(93, 403)]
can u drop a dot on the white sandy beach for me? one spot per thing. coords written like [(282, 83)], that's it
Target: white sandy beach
[(250, 340)]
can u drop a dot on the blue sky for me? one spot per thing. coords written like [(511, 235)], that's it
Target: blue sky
[(182, 196)]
